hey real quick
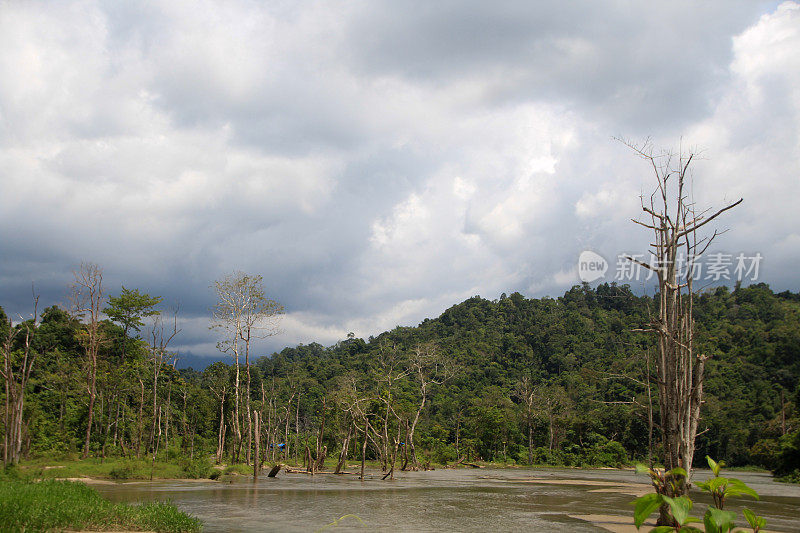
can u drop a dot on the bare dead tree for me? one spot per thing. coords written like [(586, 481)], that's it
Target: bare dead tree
[(672, 217), (86, 296), (526, 392), (160, 338), (430, 367), (355, 403), (216, 379), (16, 348), (243, 313), (552, 401), (390, 371)]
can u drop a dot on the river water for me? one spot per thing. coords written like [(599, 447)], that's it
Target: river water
[(441, 500)]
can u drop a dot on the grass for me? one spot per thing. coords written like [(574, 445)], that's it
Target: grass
[(200, 468), (748, 468), (239, 469), (58, 505), (112, 468)]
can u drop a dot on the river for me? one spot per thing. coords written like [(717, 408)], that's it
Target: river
[(441, 500)]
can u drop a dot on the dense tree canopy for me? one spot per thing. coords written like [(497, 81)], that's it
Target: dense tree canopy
[(543, 380)]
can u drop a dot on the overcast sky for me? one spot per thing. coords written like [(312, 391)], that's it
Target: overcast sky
[(378, 162)]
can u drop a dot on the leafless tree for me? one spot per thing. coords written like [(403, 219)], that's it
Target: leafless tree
[(671, 215), (553, 402), (16, 348), (430, 367), (526, 392), (160, 338), (391, 369), (243, 313), (87, 300)]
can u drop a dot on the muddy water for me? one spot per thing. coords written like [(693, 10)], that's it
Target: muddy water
[(442, 500)]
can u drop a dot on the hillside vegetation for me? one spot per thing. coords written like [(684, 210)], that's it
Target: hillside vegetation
[(516, 380)]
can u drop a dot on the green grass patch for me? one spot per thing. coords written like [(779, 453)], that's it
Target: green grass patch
[(240, 469), (747, 468), (114, 468), (57, 505)]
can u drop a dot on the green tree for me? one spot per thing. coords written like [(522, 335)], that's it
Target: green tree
[(128, 309)]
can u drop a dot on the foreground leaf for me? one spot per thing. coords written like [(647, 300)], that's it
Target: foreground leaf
[(737, 487), (717, 521), (679, 507), (645, 506), (756, 522), (714, 466)]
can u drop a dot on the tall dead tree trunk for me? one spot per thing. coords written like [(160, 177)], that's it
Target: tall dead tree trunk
[(243, 312), (16, 371), (140, 427), (343, 454), (159, 344), (430, 367), (526, 391), (674, 221), (221, 433), (87, 301), (257, 437)]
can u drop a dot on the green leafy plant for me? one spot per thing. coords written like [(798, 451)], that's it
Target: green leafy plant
[(679, 509), (756, 522), (721, 488), (665, 481), (716, 519)]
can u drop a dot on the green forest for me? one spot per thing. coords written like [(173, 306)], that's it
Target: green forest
[(515, 380)]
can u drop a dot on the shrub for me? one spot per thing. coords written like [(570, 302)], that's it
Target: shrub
[(124, 470), (198, 468)]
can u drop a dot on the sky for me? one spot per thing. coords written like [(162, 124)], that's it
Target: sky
[(379, 161)]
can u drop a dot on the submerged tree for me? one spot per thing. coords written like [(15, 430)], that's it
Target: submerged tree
[(676, 248)]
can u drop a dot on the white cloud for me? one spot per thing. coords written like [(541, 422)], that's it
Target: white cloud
[(376, 165)]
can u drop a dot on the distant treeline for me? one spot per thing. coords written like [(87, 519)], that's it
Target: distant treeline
[(517, 380)]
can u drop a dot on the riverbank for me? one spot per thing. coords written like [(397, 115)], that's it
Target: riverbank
[(67, 505), (123, 469), (119, 469)]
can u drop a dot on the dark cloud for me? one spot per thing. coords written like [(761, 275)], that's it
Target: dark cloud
[(376, 162), (638, 63)]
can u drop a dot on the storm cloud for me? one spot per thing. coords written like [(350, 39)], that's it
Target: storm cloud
[(378, 162)]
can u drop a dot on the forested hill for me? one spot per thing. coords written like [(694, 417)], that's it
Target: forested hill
[(559, 381), (586, 365)]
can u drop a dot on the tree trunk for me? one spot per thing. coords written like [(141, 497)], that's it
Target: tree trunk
[(343, 454), (530, 443), (236, 428), (363, 454), (247, 402), (257, 461), (92, 393), (221, 433), (674, 222), (141, 421), (410, 441)]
